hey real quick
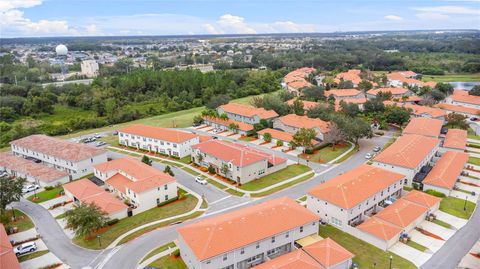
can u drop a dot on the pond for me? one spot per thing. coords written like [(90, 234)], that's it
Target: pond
[(464, 85)]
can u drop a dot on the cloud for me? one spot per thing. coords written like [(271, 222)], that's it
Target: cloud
[(393, 18), (449, 10), (234, 25)]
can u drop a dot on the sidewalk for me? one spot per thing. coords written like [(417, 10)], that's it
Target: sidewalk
[(352, 146), (156, 257)]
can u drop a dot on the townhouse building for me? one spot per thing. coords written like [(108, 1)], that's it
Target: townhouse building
[(235, 161), (352, 75), (295, 81), (159, 140), (399, 79), (455, 140), (245, 113), (411, 155), (77, 160), (226, 125), (141, 185), (462, 98), (425, 112), (8, 259), (397, 92), (459, 109), (446, 172), (291, 123), (350, 198), (246, 237), (307, 105), (424, 126), (345, 94)]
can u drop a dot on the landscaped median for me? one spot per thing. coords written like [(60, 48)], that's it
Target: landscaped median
[(276, 177), (457, 207), (48, 194), (328, 153)]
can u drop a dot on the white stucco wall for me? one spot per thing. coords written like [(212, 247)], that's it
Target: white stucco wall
[(156, 145)]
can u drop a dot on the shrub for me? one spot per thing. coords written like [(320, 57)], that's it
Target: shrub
[(49, 188), (308, 151), (211, 169), (170, 200), (111, 222), (435, 193), (279, 143), (474, 146), (176, 253), (321, 146)]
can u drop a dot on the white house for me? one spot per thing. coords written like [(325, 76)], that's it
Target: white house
[(75, 159), (159, 140), (246, 237), (245, 113)]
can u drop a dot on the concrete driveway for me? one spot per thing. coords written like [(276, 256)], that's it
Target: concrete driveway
[(49, 203), (42, 261), (436, 229), (462, 195), (416, 256), (470, 261), (22, 236), (456, 222), (431, 243)]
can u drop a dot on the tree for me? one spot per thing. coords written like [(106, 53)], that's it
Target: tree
[(224, 169), (445, 88), (364, 86), (84, 219), (233, 127), (314, 93), (353, 128), (223, 116), (279, 143), (292, 144), (456, 120), (199, 157), (475, 90), (267, 137), (168, 170), (304, 137), (197, 120), (335, 135), (146, 160), (10, 191), (217, 100), (397, 115), (404, 98), (437, 95), (349, 109), (374, 105), (298, 107), (345, 84)]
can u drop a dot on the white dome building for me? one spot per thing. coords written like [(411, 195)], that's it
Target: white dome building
[(61, 50)]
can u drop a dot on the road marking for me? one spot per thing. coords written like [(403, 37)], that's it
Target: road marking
[(225, 209), (221, 199), (109, 256)]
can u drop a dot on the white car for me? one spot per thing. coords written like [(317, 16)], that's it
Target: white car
[(368, 156), (201, 180), (29, 188), (25, 248)]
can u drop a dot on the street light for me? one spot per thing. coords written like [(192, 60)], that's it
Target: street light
[(391, 258), (465, 204), (99, 240)]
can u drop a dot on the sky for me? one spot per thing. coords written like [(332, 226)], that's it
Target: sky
[(38, 18)]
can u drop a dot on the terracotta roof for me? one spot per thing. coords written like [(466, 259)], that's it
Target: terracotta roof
[(281, 135), (352, 75), (87, 192), (380, 229), (159, 133), (355, 186), (426, 110), (248, 111), (407, 74), (238, 154), (408, 151), (353, 100), (39, 171), (422, 198), (213, 236), (304, 122), (58, 148), (306, 104), (8, 259), (398, 76), (299, 84), (424, 126), (328, 252), (430, 84), (394, 91), (401, 213), (447, 170), (459, 109), (293, 260), (241, 125), (343, 92), (456, 139), (463, 97)]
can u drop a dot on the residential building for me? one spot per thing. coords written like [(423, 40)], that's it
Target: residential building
[(282, 136), (291, 123), (246, 237), (463, 98), (355, 195), (446, 172), (159, 140), (141, 185), (410, 155), (307, 105), (352, 75), (399, 79), (86, 192), (424, 126), (455, 140), (8, 259), (426, 112), (236, 161), (226, 125), (396, 92), (89, 68), (323, 254), (463, 110), (77, 160), (342, 94), (295, 81), (245, 113)]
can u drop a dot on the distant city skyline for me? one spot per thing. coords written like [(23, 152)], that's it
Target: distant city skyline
[(37, 18)]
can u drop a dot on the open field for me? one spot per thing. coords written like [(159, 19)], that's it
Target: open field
[(452, 78)]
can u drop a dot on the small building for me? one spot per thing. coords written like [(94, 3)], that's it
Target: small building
[(291, 123), (235, 161), (446, 172), (245, 113), (85, 191), (246, 237), (295, 81), (345, 94), (455, 140), (463, 98), (424, 126), (463, 110), (226, 125), (8, 259), (402, 78), (277, 135), (77, 160), (159, 140), (352, 75), (89, 68), (307, 105), (426, 112), (141, 185), (410, 155), (397, 92)]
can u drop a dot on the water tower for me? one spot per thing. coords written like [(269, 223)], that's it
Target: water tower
[(62, 52)]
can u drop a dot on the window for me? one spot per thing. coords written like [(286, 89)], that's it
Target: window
[(242, 250), (258, 245), (174, 145), (301, 229), (158, 200), (336, 221), (166, 187), (166, 197), (287, 235), (225, 257), (273, 239)]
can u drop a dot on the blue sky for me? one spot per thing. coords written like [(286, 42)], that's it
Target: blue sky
[(168, 17)]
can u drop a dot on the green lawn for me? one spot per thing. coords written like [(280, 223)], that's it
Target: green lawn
[(186, 159), (326, 154), (406, 188), (247, 138), (442, 223), (158, 250), (279, 176), (348, 155), (454, 206), (299, 180), (23, 222), (169, 262), (45, 195), (474, 160), (32, 255), (126, 224), (365, 254), (452, 77), (416, 245), (110, 139), (471, 134)]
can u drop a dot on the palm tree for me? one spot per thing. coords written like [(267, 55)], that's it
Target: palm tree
[(223, 116)]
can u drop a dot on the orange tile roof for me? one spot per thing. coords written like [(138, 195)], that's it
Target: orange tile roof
[(238, 154), (305, 122), (211, 237), (398, 76), (352, 75), (353, 100), (281, 135), (343, 92), (355, 186), (463, 97), (447, 169), (248, 111), (456, 139), (8, 259), (422, 198), (424, 126), (459, 109), (87, 192), (159, 133), (328, 252), (241, 125), (41, 172), (408, 151), (293, 260), (430, 84), (422, 110), (401, 213), (59, 148), (380, 229), (306, 104), (407, 73), (299, 84), (394, 91)]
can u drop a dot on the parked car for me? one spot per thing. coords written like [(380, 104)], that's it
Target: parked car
[(29, 188), (97, 135), (115, 133), (25, 248), (100, 143), (473, 119), (201, 180), (3, 174), (368, 156), (377, 149)]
